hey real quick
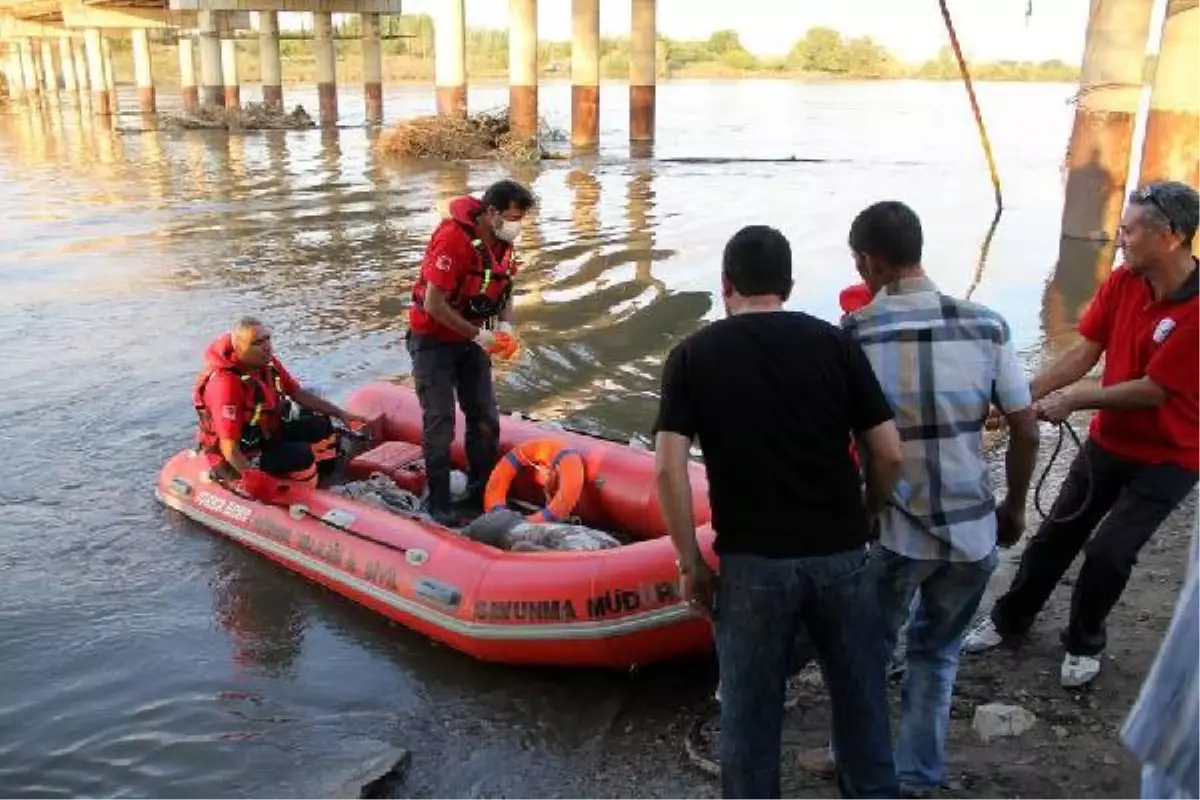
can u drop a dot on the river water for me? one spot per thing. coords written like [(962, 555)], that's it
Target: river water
[(144, 656)]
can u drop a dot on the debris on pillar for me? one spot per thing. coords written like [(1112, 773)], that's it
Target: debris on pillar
[(585, 74), (450, 57), (268, 54), (523, 68), (1170, 150), (372, 56)]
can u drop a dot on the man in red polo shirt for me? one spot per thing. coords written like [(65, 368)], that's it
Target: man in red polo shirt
[(460, 301), (1142, 452)]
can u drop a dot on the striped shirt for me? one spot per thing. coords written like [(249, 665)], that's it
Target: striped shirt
[(1163, 729), (942, 363)]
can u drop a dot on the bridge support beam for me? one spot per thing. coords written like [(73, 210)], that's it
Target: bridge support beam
[(212, 91), (523, 68), (643, 64), (372, 56), (585, 74), (66, 58), (189, 95), (1171, 150), (270, 63), (323, 46), (450, 57), (143, 70), (49, 76), (232, 87), (101, 100), (1110, 86), (29, 71), (82, 81)]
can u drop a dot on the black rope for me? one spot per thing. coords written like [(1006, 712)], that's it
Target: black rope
[(1064, 427)]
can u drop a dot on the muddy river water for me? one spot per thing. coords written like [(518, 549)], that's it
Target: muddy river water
[(143, 656)]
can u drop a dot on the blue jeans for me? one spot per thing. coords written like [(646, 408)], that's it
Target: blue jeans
[(949, 596), (1156, 783), (762, 603)]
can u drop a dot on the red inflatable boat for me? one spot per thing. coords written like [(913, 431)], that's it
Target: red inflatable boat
[(616, 607)]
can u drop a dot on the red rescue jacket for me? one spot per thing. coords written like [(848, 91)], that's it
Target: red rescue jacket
[(228, 398), (477, 278)]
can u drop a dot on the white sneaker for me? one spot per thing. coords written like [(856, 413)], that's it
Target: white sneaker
[(983, 637), (1078, 670)]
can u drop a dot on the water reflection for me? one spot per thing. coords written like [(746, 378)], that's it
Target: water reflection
[(266, 626)]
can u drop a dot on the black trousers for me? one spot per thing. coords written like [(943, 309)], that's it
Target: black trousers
[(291, 451), (1137, 498), (441, 370)]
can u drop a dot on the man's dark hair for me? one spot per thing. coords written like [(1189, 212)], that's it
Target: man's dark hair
[(758, 261), (890, 231), (1172, 204), (505, 194)]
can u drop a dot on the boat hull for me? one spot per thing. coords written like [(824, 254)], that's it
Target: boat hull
[(608, 608)]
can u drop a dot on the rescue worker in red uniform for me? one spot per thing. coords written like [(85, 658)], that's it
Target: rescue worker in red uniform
[(1142, 456), (241, 396), (460, 300)]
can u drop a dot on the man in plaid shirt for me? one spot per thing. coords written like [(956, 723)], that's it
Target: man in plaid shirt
[(942, 363)]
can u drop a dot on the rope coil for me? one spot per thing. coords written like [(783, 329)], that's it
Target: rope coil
[(1064, 428)]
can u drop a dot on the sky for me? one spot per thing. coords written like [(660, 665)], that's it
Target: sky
[(910, 29)]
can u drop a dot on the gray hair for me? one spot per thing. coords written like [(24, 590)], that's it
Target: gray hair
[(1172, 204)]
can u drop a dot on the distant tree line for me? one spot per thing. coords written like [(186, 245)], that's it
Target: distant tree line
[(821, 51)]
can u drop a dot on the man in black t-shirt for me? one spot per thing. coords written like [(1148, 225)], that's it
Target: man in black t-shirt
[(772, 397)]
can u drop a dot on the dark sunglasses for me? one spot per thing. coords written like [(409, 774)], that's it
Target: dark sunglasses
[(1149, 194), (260, 341)]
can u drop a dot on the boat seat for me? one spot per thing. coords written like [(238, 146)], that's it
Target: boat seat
[(401, 461)]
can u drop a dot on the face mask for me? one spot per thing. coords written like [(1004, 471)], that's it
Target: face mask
[(508, 230)]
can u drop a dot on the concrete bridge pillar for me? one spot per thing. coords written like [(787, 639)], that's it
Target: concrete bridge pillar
[(643, 66), (66, 58), (585, 74), (81, 68), (49, 76), (1110, 88), (189, 95), (29, 70), (212, 91), (323, 46), (523, 68), (1170, 150), (143, 70), (232, 87), (271, 63), (110, 80), (450, 57), (101, 100), (14, 74), (372, 55)]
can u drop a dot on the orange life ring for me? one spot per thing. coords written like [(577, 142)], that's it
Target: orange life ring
[(567, 473)]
